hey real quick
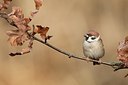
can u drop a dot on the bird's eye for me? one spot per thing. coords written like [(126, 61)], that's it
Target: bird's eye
[(93, 38)]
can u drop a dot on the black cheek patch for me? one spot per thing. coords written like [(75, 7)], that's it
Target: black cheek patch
[(86, 38)]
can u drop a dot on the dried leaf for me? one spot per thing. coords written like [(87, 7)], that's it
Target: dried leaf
[(25, 50), (18, 18), (28, 49), (17, 11), (1, 6), (34, 13), (15, 53), (26, 20), (12, 32), (6, 3), (16, 37), (42, 31), (122, 51), (23, 26), (38, 4), (14, 18)]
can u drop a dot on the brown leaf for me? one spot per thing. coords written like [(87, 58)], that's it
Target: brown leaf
[(15, 53), (1, 6), (14, 18), (16, 37), (38, 4), (25, 50), (17, 11), (28, 49), (12, 32), (18, 18), (6, 4), (122, 51), (22, 25), (26, 21), (7, 1), (123, 59), (34, 13), (41, 30)]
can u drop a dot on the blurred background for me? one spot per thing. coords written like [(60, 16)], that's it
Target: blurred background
[(68, 21)]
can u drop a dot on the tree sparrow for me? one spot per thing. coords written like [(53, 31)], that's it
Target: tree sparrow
[(93, 47)]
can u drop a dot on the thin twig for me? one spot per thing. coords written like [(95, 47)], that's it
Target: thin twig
[(115, 65), (70, 55)]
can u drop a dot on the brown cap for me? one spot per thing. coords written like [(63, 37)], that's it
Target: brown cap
[(92, 33)]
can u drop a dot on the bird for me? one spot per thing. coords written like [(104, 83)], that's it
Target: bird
[(93, 47), (122, 51)]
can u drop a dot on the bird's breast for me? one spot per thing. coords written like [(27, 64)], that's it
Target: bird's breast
[(95, 49)]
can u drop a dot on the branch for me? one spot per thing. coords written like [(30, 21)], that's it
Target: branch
[(69, 54), (115, 65)]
